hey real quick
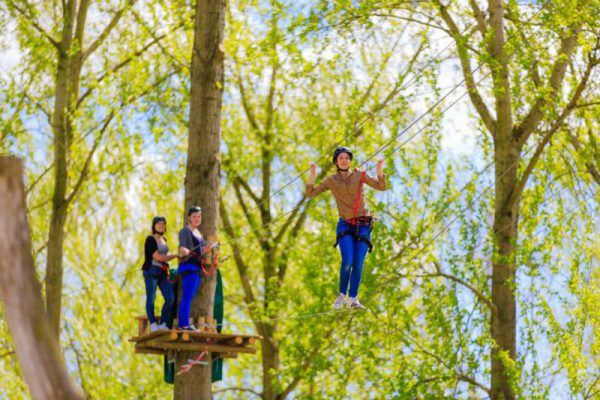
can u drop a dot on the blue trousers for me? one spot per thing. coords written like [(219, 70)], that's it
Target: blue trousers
[(155, 277), (353, 256), (189, 287)]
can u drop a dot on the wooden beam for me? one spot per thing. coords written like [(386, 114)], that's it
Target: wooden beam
[(147, 350), (212, 348)]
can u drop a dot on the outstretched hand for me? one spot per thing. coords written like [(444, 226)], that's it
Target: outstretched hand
[(313, 173), (380, 167)]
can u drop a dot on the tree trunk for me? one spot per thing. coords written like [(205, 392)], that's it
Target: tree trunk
[(270, 362), (203, 164), (60, 123), (36, 345), (503, 324)]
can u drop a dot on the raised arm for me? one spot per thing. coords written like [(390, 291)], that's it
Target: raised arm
[(311, 190), (379, 182)]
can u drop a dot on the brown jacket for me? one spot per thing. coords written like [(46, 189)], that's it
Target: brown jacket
[(345, 191)]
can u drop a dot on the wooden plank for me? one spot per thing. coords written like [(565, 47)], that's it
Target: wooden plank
[(224, 355), (213, 348), (225, 337), (216, 335), (150, 336), (148, 350)]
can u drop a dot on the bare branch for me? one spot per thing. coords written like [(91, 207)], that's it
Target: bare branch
[(479, 17), (458, 374), (242, 182), (522, 132), (518, 190), (100, 39), (34, 23), (247, 212), (439, 273), (84, 171), (117, 67), (465, 62), (38, 179), (590, 167), (142, 22), (245, 103), (237, 255), (8, 353)]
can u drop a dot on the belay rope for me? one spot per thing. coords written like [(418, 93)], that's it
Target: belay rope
[(213, 267)]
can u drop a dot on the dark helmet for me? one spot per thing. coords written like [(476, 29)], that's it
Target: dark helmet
[(156, 220), (193, 210), (339, 151)]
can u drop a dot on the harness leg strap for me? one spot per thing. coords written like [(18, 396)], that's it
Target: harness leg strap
[(341, 235)]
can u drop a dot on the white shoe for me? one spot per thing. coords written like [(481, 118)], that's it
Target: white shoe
[(154, 327), (354, 304), (163, 327), (339, 302)]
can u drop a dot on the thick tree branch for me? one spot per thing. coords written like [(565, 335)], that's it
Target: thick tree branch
[(479, 17), (242, 182), (288, 223), (237, 254), (518, 191), (80, 26), (245, 102), (474, 95), (245, 209), (522, 132), (293, 235), (86, 165)]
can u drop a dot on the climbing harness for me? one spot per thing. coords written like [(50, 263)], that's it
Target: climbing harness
[(213, 267), (356, 222)]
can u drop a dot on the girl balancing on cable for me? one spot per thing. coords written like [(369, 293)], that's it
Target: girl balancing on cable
[(355, 224)]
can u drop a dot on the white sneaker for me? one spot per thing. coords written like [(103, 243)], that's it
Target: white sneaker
[(154, 327), (163, 327), (339, 302), (354, 304)]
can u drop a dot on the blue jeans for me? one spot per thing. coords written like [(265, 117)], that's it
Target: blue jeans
[(353, 256), (189, 287), (155, 277)]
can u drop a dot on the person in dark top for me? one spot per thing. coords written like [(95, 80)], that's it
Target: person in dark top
[(355, 224), (155, 270), (191, 249)]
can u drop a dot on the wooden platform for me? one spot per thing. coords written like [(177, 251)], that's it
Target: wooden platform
[(226, 345)]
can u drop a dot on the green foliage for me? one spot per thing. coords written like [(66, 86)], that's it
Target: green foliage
[(300, 78)]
